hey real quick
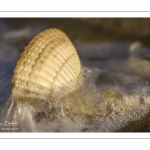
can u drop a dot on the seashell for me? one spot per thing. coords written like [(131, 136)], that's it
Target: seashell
[(48, 64)]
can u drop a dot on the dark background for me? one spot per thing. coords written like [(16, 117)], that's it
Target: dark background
[(88, 29)]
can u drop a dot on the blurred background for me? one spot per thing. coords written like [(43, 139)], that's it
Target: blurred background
[(17, 32), (85, 29)]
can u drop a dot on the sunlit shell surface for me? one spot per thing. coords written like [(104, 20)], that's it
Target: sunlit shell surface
[(49, 62)]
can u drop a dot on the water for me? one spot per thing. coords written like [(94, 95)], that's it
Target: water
[(114, 96), (89, 109)]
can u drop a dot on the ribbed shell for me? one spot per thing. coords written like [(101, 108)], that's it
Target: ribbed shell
[(50, 60)]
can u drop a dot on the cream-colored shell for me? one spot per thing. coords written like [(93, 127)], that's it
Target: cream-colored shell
[(48, 63)]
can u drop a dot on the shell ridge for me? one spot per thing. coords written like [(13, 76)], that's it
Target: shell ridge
[(66, 52), (48, 64), (44, 56), (35, 45), (63, 65), (72, 60)]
